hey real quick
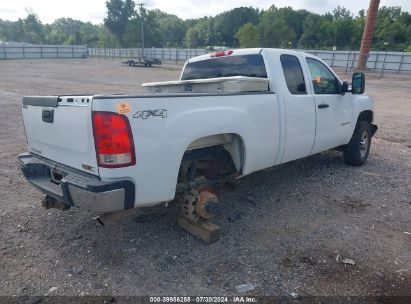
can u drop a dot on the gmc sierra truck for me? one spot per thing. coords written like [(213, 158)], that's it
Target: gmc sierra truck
[(230, 114)]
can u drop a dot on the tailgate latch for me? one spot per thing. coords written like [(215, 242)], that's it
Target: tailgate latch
[(47, 115)]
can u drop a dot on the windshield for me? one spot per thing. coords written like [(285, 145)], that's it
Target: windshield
[(243, 65)]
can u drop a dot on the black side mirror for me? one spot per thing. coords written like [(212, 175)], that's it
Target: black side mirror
[(344, 88), (358, 83)]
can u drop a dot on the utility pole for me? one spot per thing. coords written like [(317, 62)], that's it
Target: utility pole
[(141, 5), (367, 35)]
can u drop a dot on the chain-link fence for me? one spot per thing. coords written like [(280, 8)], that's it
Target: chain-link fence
[(28, 51), (164, 54), (379, 62)]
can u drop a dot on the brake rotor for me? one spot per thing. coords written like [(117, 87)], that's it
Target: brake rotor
[(207, 202)]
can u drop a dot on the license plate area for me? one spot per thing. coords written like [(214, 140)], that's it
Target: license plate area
[(56, 176)]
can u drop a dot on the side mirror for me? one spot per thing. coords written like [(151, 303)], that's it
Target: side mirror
[(358, 83), (344, 88)]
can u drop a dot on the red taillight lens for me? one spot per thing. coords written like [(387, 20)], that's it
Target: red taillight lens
[(221, 54), (113, 140)]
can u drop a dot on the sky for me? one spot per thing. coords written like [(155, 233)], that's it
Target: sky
[(95, 10)]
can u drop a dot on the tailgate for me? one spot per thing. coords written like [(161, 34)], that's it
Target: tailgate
[(60, 128)]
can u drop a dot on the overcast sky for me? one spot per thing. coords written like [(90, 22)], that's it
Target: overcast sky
[(95, 10)]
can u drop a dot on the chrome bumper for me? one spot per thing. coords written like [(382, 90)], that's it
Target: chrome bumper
[(76, 188)]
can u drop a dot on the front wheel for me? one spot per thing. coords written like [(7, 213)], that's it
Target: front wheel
[(357, 150)]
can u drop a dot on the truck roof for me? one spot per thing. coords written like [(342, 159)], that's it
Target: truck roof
[(250, 51)]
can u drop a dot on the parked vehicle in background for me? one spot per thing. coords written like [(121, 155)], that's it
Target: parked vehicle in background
[(142, 62)]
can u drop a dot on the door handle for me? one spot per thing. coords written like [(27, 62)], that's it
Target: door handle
[(323, 106)]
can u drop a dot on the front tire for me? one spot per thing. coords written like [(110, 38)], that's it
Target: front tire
[(357, 150)]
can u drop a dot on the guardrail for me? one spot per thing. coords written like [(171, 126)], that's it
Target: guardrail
[(42, 51), (378, 61)]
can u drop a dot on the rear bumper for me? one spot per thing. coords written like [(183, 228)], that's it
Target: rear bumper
[(75, 188)]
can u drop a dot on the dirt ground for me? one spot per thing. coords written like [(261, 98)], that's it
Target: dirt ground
[(286, 230)]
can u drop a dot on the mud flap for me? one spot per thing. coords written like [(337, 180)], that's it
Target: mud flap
[(374, 129)]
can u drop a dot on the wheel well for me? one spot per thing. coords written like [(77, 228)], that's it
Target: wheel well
[(212, 157), (366, 116)]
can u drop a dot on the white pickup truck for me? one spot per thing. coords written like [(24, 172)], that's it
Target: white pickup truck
[(232, 113)]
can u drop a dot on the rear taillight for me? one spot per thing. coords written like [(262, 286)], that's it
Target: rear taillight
[(113, 140)]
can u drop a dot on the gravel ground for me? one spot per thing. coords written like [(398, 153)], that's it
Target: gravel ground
[(295, 225)]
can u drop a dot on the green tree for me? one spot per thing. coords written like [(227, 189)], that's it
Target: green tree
[(119, 13), (105, 38), (310, 37), (69, 31), (152, 33), (247, 35), (227, 24), (192, 38), (276, 27), (11, 31), (326, 32), (205, 28), (274, 30), (171, 28), (89, 34), (32, 29), (343, 27), (132, 34), (393, 29), (294, 19)]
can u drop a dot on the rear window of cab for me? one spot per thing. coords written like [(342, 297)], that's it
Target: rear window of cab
[(240, 65)]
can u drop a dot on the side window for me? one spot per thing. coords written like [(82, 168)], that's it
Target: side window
[(293, 74), (324, 81)]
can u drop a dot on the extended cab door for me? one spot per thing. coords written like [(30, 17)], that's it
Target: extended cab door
[(333, 110), (299, 109)]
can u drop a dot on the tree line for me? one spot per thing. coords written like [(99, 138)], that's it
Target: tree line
[(239, 27)]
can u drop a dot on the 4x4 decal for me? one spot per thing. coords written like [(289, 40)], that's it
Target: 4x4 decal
[(151, 113)]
